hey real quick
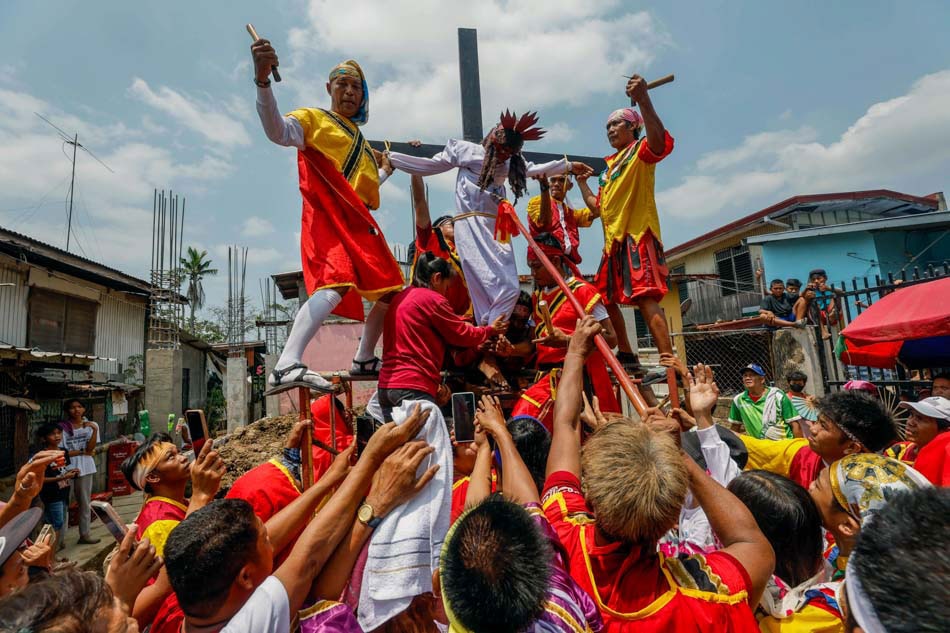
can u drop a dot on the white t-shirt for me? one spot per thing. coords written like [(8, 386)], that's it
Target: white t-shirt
[(266, 611), (77, 441)]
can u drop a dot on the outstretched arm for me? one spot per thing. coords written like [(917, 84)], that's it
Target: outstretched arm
[(416, 166), (420, 204), (565, 453), (519, 485), (590, 199), (283, 130)]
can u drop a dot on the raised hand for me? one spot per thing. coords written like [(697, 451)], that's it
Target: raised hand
[(592, 415), (703, 390), (500, 326), (582, 340), (581, 170), (391, 436), (395, 482), (264, 58), (40, 554), (131, 567), (206, 473), (637, 89), (555, 338), (295, 437), (490, 417)]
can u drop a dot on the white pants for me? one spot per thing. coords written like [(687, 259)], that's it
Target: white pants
[(489, 266)]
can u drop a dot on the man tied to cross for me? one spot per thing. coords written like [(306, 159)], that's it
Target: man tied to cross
[(489, 265), (633, 270), (341, 245)]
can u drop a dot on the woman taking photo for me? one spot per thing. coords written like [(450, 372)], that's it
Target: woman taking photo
[(79, 439), (420, 325)]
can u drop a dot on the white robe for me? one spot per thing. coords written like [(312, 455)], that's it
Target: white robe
[(489, 267)]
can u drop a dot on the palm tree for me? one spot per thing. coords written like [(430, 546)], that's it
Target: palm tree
[(195, 267)]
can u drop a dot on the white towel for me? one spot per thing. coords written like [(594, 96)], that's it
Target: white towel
[(404, 550)]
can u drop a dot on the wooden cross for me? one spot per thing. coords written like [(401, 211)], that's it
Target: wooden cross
[(472, 113)]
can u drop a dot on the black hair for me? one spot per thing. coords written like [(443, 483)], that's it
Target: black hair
[(68, 403), (944, 375), (817, 272), (533, 443), (862, 416), (776, 281), (796, 375), (206, 551), (524, 299), (45, 429), (128, 466), (902, 556), (66, 602), (428, 265), (791, 281), (496, 567), (789, 519)]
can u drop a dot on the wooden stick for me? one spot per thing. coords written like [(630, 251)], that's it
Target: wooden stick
[(656, 83), (254, 36), (546, 314), (303, 405), (636, 398)]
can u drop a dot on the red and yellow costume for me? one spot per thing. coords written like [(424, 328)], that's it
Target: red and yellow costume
[(640, 589), (157, 518), (564, 224), (535, 401), (269, 488), (633, 266), (341, 245)]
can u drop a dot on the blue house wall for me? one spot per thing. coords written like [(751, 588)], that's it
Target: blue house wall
[(844, 256), (896, 248)]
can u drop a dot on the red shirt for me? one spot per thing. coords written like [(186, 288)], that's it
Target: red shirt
[(169, 618), (320, 414), (460, 491), (563, 315), (637, 588), (457, 294), (419, 325), (269, 488)]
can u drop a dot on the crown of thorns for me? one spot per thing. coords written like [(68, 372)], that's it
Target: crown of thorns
[(518, 130)]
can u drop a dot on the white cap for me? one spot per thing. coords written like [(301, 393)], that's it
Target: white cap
[(933, 407)]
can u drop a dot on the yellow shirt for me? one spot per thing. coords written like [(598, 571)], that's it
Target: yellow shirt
[(627, 203), (809, 619), (333, 135), (582, 217)]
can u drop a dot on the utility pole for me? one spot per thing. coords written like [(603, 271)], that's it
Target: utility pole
[(72, 183), (74, 141)]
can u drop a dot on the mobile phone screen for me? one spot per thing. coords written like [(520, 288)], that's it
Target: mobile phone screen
[(463, 415), (194, 418)]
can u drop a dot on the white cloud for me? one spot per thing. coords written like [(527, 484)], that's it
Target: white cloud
[(895, 142), (411, 60), (112, 211), (207, 119), (256, 226)]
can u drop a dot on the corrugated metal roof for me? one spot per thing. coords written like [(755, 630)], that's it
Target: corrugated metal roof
[(42, 356), (898, 202)]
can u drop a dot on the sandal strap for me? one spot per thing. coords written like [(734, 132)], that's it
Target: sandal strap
[(373, 362), (280, 373)]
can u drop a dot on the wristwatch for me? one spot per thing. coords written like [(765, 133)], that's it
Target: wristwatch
[(366, 516)]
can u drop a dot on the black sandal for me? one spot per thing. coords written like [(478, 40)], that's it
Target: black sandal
[(369, 367)]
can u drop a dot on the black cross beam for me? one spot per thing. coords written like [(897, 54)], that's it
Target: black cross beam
[(472, 112)]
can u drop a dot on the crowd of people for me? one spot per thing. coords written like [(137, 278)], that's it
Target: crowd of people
[(560, 514)]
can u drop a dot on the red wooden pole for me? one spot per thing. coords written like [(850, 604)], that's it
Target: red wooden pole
[(636, 398)]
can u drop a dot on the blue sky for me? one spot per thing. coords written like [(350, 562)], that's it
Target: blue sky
[(770, 100)]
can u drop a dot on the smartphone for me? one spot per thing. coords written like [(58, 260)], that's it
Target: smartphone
[(197, 425), (45, 531), (110, 518), (365, 427), (463, 416)]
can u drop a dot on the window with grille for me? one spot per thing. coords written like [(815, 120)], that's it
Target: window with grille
[(736, 274), (61, 323), (682, 286)]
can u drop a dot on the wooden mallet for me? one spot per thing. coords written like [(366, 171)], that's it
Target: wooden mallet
[(656, 83), (546, 315), (273, 69)]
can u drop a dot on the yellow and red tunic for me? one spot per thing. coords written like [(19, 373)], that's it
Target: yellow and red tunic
[(535, 401), (340, 243), (157, 518)]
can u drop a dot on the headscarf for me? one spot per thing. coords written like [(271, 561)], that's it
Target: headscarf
[(864, 482), (149, 461), (859, 604), (629, 115), (350, 68), (860, 385)]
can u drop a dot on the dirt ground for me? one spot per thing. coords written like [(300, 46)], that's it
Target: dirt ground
[(255, 444)]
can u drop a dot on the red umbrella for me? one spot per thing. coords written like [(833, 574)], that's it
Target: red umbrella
[(911, 324)]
